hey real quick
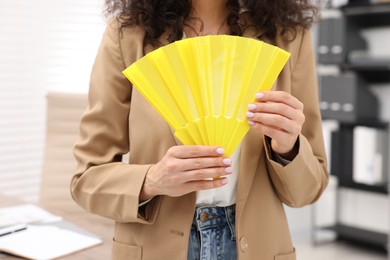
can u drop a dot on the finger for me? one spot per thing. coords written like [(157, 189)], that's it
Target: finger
[(206, 184), (205, 162), (278, 135), (280, 97), (207, 173), (273, 120), (273, 108), (194, 151)]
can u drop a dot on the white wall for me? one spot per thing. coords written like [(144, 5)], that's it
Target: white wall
[(45, 45)]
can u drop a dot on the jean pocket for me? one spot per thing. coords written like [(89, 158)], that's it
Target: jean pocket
[(288, 256), (122, 251)]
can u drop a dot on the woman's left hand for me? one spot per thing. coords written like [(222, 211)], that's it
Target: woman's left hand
[(280, 116)]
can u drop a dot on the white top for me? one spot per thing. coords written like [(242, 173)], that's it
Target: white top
[(223, 196)]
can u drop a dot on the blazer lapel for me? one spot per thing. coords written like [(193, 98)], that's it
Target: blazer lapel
[(251, 150)]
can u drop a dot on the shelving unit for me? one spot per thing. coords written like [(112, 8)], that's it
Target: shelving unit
[(372, 71), (367, 16), (342, 156), (361, 236)]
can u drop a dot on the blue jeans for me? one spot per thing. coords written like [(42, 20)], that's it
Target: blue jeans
[(213, 235)]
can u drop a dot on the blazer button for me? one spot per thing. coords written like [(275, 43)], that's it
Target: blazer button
[(243, 244)]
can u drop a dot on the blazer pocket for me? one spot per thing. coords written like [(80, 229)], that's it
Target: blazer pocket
[(289, 256), (125, 252)]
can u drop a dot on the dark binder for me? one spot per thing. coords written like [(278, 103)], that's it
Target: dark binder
[(335, 39), (348, 99)]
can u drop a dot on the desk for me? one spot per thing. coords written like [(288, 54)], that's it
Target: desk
[(86, 221)]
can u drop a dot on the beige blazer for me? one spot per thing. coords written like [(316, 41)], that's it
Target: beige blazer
[(118, 119)]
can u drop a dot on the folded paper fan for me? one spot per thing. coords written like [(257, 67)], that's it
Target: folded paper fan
[(202, 86)]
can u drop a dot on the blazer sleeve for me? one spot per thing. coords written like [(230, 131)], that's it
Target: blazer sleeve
[(103, 184), (303, 180)]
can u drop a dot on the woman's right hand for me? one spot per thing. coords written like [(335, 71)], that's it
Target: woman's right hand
[(185, 169)]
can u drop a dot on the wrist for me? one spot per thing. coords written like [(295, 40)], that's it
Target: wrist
[(290, 155), (147, 191), (145, 194)]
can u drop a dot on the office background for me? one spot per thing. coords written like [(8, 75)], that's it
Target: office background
[(49, 46), (45, 46)]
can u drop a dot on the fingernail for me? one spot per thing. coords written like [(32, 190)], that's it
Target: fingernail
[(224, 181), (229, 170), (220, 150), (227, 161), (250, 122), (251, 106), (249, 114), (259, 95)]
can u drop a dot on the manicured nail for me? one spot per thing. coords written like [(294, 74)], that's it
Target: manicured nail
[(249, 114), (250, 122), (259, 95), (220, 150), (229, 170), (224, 180), (251, 106), (227, 161)]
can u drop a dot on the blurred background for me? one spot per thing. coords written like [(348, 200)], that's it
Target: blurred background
[(47, 49)]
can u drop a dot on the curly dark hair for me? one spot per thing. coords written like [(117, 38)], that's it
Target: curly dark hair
[(270, 16)]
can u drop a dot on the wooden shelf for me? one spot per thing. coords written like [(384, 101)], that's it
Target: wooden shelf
[(366, 9), (360, 235), (377, 188), (371, 72), (369, 66), (368, 15), (371, 123)]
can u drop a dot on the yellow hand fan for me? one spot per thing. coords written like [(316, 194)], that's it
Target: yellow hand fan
[(202, 86)]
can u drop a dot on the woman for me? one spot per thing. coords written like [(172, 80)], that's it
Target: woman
[(166, 201)]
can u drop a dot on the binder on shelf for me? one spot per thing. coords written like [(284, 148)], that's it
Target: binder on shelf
[(324, 41), (370, 155), (337, 36), (338, 42), (341, 154), (348, 99)]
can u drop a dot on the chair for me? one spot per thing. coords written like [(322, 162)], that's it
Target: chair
[(63, 115)]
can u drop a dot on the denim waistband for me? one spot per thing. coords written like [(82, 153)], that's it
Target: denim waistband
[(210, 217)]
